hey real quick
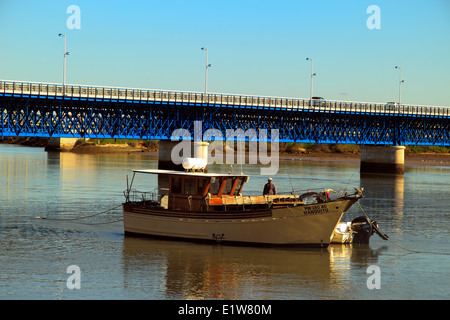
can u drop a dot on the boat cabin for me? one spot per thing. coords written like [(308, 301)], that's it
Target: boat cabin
[(197, 191), (208, 192)]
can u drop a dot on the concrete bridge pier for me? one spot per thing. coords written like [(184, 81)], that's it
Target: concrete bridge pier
[(60, 144), (189, 149), (181, 149), (382, 159)]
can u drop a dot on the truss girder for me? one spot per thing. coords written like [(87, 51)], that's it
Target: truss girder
[(42, 117)]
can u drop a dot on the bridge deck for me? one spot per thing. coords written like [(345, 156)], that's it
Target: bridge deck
[(92, 93)]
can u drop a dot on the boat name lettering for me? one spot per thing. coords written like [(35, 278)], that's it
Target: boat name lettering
[(316, 209)]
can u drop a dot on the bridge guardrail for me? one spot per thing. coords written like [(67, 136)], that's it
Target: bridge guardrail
[(161, 96)]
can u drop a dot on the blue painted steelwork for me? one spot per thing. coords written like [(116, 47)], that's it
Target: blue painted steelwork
[(50, 110)]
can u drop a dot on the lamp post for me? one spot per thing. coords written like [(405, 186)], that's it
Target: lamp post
[(312, 75), (400, 86), (207, 66), (65, 54)]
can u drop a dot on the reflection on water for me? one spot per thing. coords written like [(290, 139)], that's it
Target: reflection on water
[(35, 253), (384, 189), (197, 271)]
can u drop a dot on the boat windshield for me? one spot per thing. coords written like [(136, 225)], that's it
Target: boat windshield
[(238, 187), (226, 186), (191, 186)]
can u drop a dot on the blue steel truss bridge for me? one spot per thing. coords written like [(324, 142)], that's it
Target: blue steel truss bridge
[(77, 111)]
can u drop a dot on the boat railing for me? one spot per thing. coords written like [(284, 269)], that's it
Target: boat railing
[(153, 196)]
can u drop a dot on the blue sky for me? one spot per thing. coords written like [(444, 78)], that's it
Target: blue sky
[(255, 47)]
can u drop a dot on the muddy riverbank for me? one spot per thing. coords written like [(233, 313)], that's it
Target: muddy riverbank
[(297, 152)]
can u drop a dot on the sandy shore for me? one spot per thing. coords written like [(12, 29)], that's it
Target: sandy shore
[(438, 159), (110, 148), (410, 158), (435, 159)]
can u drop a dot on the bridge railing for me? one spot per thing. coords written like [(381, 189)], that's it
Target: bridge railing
[(160, 96)]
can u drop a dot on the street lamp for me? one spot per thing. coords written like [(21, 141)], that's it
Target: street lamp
[(400, 86), (207, 66), (312, 75), (65, 54)]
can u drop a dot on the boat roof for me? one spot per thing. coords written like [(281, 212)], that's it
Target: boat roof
[(191, 174)]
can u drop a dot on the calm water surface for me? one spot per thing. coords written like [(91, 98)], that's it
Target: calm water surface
[(35, 253)]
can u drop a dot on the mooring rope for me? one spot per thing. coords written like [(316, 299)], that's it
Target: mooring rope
[(410, 219), (81, 218), (396, 244), (99, 223)]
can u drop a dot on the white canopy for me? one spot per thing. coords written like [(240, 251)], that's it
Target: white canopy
[(191, 174)]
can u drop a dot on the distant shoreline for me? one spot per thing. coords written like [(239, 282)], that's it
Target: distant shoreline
[(322, 153), (435, 159)]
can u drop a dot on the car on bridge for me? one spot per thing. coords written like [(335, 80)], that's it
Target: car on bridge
[(317, 102), (391, 106)]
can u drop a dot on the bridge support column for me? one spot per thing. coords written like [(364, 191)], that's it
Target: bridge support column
[(382, 159), (194, 149), (198, 149), (60, 144)]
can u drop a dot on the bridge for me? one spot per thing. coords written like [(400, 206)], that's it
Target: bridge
[(32, 109)]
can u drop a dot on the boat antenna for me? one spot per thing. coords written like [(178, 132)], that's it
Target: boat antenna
[(128, 191), (349, 180), (292, 186)]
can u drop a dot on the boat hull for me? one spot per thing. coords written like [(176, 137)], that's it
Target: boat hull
[(303, 225)]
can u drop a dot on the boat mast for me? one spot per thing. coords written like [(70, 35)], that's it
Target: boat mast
[(127, 197)]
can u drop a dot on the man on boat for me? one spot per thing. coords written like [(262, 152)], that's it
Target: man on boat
[(269, 188)]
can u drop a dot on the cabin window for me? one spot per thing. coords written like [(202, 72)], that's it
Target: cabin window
[(228, 186), (189, 186), (201, 183), (215, 186), (176, 184), (238, 187)]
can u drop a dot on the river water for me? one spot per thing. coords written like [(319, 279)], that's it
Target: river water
[(35, 254)]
